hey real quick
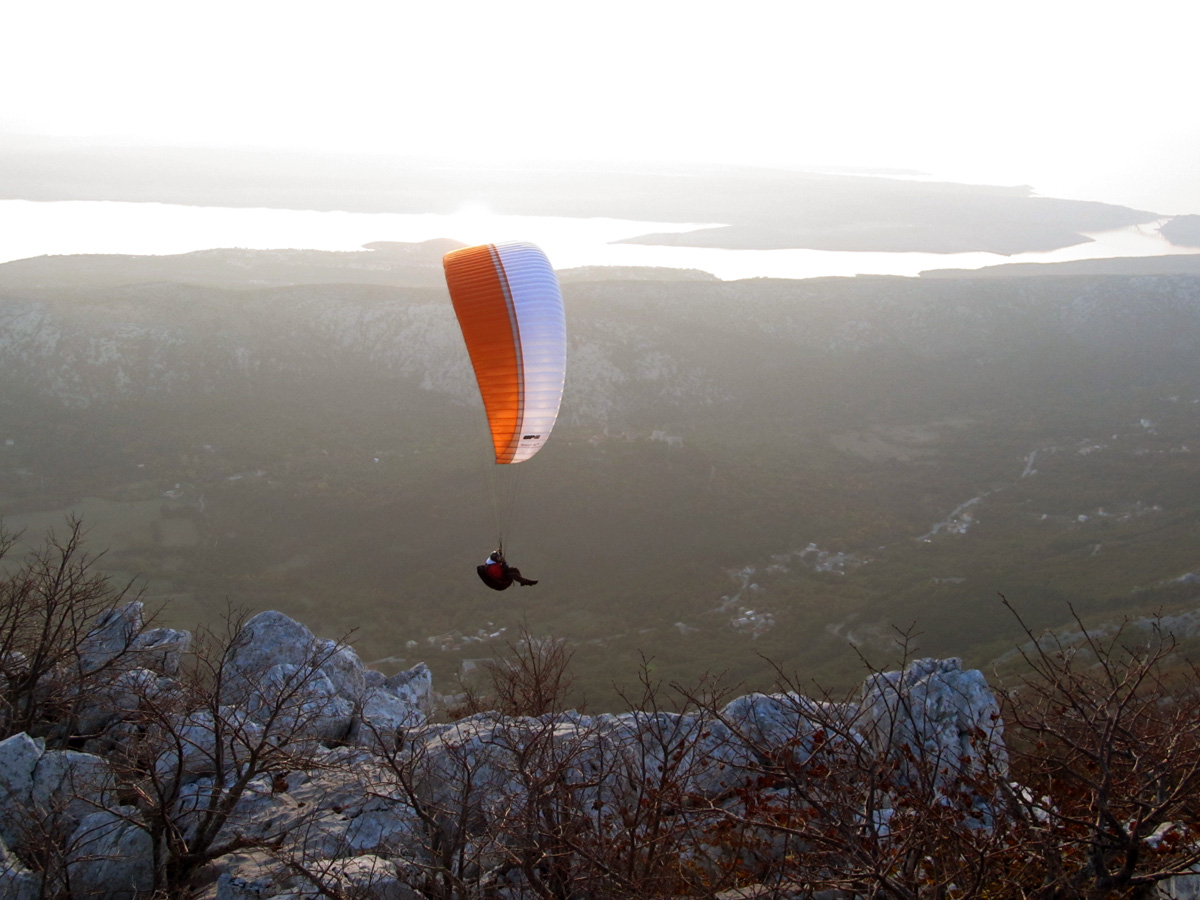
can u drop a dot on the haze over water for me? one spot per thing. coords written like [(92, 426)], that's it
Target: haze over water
[(109, 227)]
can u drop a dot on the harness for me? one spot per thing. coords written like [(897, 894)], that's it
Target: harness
[(497, 581)]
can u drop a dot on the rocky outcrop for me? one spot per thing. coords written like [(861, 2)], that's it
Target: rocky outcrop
[(933, 710), (276, 689), (16, 881), (110, 855), (306, 772)]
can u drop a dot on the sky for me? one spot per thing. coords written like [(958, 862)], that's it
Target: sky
[(1088, 100)]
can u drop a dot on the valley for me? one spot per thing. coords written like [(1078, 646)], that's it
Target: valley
[(744, 474)]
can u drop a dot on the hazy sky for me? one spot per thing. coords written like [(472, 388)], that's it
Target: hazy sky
[(1094, 100)]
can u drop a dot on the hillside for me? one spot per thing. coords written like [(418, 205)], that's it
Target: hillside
[(760, 467)]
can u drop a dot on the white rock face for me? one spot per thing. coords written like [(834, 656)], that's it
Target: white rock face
[(19, 756), (161, 649), (267, 640), (343, 668), (276, 653), (112, 636), (362, 811), (770, 721), (372, 876), (16, 881), (301, 703), (414, 686), (69, 785), (206, 743), (110, 857), (230, 887), (377, 794), (382, 716), (936, 709), (121, 633)]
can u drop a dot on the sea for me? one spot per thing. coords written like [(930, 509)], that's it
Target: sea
[(55, 228)]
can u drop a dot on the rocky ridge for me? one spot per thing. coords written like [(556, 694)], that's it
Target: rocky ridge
[(370, 787)]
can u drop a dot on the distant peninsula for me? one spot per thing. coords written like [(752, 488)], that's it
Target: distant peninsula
[(731, 208)]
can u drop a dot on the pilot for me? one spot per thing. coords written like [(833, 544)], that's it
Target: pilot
[(498, 574)]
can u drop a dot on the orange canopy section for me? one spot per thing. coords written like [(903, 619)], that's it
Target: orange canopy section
[(510, 309)]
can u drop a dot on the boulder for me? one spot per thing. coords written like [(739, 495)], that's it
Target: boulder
[(414, 686), (200, 743), (300, 702), (1181, 887), (19, 757), (764, 723), (936, 711), (370, 876), (112, 635), (276, 648), (69, 785), (231, 887), (390, 706), (248, 871), (16, 881), (109, 856), (353, 809), (343, 667), (260, 813), (161, 649), (692, 752), (267, 640), (383, 716)]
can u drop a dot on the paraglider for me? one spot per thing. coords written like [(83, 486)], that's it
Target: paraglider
[(509, 307), (499, 575)]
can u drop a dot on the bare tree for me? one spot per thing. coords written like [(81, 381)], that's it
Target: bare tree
[(54, 607), (1108, 753), (849, 793), (447, 774), (1093, 793), (533, 678), (209, 740), (560, 805), (647, 837)]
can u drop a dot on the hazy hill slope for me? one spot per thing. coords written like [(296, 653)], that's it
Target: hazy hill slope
[(760, 466)]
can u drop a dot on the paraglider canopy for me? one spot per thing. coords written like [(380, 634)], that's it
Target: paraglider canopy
[(510, 309)]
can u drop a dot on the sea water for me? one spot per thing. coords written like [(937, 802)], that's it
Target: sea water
[(38, 228)]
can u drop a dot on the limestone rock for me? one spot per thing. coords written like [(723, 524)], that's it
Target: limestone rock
[(414, 686), (203, 742), (937, 710), (69, 785), (230, 887), (109, 856), (371, 876), (301, 703), (343, 668), (19, 756), (161, 649), (112, 635), (267, 640), (348, 807), (16, 881)]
